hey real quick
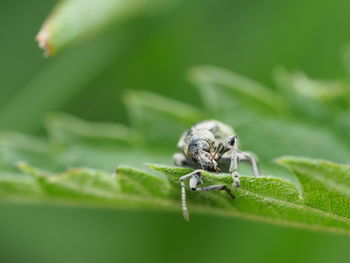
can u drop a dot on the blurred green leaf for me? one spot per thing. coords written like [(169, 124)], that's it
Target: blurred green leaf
[(248, 91), (15, 148), (72, 20), (159, 118), (66, 129), (19, 187), (61, 80), (78, 143)]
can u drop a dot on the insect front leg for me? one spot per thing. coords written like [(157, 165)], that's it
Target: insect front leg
[(230, 143), (234, 167), (195, 180), (183, 192)]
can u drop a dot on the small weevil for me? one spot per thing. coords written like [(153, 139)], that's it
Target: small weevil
[(211, 146)]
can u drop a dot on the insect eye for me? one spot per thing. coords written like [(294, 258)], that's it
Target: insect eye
[(233, 140)]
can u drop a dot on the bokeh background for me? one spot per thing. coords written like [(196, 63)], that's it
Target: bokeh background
[(87, 80)]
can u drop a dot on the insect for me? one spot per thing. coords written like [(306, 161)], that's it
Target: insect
[(211, 146)]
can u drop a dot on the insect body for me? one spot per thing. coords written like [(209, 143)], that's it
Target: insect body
[(211, 146)]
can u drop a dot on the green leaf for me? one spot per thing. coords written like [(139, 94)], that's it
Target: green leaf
[(86, 187), (310, 98), (161, 119), (272, 200), (247, 92), (15, 148), (265, 199), (18, 187), (77, 143), (65, 129), (266, 186), (325, 185), (72, 20), (141, 183)]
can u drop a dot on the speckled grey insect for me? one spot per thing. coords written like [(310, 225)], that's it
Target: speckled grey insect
[(211, 146)]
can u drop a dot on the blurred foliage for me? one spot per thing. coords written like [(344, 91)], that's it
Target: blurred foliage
[(153, 53), (73, 20)]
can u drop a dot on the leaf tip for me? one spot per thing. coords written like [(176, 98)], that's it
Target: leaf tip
[(153, 166), (43, 40), (280, 160), (197, 74), (26, 168), (287, 160), (121, 169)]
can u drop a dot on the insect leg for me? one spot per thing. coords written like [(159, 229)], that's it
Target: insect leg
[(247, 157), (197, 180), (230, 143), (214, 187), (183, 192), (234, 167)]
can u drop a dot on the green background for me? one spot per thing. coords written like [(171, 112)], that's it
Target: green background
[(249, 37)]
